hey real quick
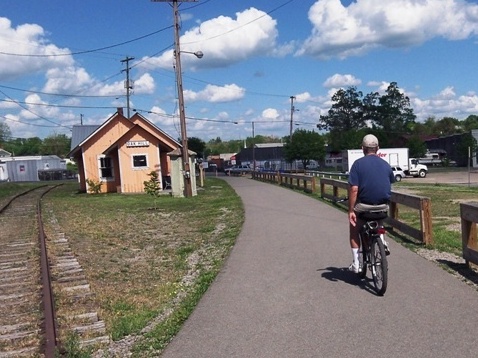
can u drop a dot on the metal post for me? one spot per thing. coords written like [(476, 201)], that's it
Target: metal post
[(292, 109), (253, 149)]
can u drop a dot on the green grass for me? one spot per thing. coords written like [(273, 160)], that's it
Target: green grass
[(445, 208), (10, 189), (144, 256)]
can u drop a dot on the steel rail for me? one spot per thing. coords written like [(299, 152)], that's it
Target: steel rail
[(50, 322)]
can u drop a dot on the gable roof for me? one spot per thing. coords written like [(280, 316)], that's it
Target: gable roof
[(136, 126), (4, 153), (154, 127), (81, 134), (269, 145)]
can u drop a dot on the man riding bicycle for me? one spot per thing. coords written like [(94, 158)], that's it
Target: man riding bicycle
[(370, 180)]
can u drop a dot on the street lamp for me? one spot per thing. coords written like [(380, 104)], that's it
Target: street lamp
[(198, 54), (188, 192)]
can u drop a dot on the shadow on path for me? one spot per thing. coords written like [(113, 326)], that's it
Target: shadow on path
[(336, 274)]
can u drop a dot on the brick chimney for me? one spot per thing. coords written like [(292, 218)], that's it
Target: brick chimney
[(120, 110)]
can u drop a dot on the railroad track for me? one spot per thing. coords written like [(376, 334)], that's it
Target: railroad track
[(31, 269)]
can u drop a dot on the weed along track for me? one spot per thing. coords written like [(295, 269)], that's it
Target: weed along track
[(29, 324)]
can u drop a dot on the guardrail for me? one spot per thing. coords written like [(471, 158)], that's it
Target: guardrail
[(422, 204), (308, 183), (469, 218), (303, 182)]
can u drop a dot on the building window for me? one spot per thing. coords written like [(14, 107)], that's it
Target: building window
[(106, 168), (140, 161)]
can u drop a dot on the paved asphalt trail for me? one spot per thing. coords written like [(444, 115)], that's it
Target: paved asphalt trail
[(285, 292)]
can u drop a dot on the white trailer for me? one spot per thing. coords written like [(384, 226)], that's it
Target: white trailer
[(396, 157)]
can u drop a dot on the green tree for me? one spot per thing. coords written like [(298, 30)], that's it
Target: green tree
[(470, 122), (416, 147), (24, 146), (305, 146), (351, 139), (393, 115), (447, 126), (56, 144), (426, 128), (467, 143), (346, 112), (197, 145), (5, 133)]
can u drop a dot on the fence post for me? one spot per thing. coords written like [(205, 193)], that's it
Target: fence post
[(426, 220), (469, 218)]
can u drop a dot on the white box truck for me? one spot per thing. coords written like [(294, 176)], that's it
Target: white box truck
[(396, 157)]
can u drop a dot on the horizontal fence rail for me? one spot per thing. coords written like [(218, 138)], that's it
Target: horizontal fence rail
[(469, 218), (422, 204), (308, 183)]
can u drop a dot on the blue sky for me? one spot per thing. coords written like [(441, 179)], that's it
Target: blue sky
[(61, 62)]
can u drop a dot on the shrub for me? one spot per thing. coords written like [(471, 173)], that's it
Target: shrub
[(94, 186)]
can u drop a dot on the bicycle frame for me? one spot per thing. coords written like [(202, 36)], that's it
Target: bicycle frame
[(373, 256)]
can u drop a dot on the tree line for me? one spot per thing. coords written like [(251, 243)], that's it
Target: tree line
[(352, 115), (55, 144)]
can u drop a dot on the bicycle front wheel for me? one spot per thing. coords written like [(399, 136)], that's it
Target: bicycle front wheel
[(379, 265)]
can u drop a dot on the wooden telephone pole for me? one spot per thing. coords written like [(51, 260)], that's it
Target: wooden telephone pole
[(182, 116)]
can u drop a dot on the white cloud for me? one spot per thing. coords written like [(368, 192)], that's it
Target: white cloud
[(337, 81), (225, 41), (68, 79), (343, 31), (216, 94), (270, 113), (446, 104), (32, 52), (144, 84)]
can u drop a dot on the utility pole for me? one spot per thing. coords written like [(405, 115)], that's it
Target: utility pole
[(188, 192), (127, 84), (292, 110), (253, 149)]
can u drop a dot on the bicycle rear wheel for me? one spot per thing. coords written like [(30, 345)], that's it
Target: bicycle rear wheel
[(362, 259), (379, 265)]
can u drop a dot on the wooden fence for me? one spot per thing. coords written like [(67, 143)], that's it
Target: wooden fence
[(469, 218), (308, 183), (422, 204)]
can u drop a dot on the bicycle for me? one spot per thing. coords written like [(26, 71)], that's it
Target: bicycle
[(373, 253)]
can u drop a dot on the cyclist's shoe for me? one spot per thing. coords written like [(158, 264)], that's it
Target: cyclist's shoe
[(354, 268)]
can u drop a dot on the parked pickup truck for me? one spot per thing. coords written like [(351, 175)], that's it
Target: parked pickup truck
[(238, 170)]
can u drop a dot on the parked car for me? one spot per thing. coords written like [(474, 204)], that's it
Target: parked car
[(238, 170), (398, 173)]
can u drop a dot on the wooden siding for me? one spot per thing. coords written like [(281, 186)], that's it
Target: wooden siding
[(132, 179), (111, 140), (97, 144)]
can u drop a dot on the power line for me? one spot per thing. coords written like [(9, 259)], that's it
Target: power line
[(87, 51), (65, 94), (56, 105), (35, 114)]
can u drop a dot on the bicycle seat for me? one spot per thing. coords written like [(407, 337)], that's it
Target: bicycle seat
[(373, 212), (373, 215)]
